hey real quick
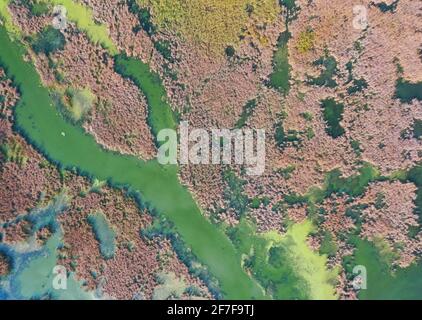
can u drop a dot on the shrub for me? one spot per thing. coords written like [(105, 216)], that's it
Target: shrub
[(325, 79), (279, 135), (307, 116), (333, 115), (280, 78), (144, 17), (39, 8), (248, 109), (306, 41), (234, 192), (328, 245), (230, 51), (417, 128), (163, 47), (48, 41), (14, 152), (81, 102)]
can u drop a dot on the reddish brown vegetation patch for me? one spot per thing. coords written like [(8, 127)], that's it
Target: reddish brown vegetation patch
[(22, 185), (4, 265)]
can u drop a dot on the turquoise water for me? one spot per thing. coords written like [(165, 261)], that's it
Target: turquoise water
[(31, 275), (104, 234)]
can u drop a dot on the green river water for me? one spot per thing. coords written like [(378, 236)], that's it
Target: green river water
[(37, 119)]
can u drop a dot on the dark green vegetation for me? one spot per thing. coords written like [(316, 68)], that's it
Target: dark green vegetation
[(12, 152), (333, 115), (69, 147), (328, 245), (325, 79), (357, 86), (286, 138), (37, 8), (307, 116), (291, 10), (415, 175), (230, 51), (104, 234), (144, 17), (49, 40), (387, 7), (356, 147), (234, 192), (248, 109), (279, 135), (160, 115), (235, 196), (349, 68), (280, 77), (407, 91), (287, 172), (256, 202), (164, 48), (417, 128), (2, 105), (355, 213), (353, 186)]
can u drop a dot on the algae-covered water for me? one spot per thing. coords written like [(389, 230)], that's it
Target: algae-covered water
[(382, 284)]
